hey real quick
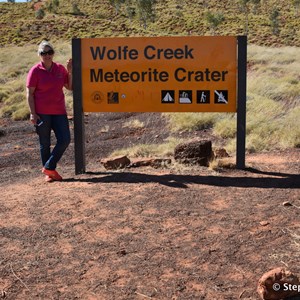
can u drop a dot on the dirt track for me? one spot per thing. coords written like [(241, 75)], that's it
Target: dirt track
[(178, 233)]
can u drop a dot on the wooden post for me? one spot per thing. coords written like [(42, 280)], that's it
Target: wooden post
[(241, 103), (79, 130)]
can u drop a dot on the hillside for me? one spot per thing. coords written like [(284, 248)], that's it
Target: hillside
[(273, 87), (176, 232), (19, 24)]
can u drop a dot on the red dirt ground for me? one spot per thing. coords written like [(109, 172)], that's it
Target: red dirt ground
[(174, 233)]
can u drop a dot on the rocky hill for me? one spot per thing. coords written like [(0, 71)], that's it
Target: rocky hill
[(270, 22)]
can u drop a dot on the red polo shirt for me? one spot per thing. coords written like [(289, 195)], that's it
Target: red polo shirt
[(49, 98)]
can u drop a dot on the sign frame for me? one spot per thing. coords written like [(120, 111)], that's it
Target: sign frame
[(79, 126)]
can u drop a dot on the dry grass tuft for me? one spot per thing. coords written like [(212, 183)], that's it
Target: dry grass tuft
[(134, 124), (224, 163), (165, 149)]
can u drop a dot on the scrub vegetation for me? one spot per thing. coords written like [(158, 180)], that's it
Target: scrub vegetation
[(266, 22), (273, 103), (150, 150), (181, 232), (273, 91)]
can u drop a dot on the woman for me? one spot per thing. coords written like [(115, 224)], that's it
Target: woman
[(46, 100)]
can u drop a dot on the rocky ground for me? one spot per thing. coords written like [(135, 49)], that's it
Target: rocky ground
[(182, 232)]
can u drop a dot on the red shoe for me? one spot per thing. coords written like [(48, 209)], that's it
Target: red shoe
[(48, 179), (53, 174)]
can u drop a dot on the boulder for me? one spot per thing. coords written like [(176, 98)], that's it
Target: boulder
[(119, 162), (194, 152), (221, 153), (278, 284)]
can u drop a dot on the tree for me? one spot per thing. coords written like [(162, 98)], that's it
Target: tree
[(40, 13), (256, 4), (53, 6), (145, 11), (246, 8), (214, 20), (116, 4), (75, 10), (275, 21), (11, 1), (296, 4), (130, 9), (55, 3)]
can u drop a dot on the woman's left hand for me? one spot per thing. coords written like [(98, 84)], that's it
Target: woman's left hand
[(69, 66)]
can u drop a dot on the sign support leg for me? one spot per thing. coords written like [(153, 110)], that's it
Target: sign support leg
[(241, 105), (79, 129)]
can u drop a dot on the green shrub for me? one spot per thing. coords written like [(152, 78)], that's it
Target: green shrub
[(40, 14), (76, 11)]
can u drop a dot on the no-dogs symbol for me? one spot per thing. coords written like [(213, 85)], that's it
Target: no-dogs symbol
[(221, 97)]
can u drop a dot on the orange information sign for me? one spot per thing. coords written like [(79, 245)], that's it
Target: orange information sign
[(159, 74)]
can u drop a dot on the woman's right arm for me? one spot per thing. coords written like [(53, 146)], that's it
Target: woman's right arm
[(30, 100)]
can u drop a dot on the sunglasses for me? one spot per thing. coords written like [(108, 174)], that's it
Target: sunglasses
[(44, 53)]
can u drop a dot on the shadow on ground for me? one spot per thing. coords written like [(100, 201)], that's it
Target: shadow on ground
[(274, 179)]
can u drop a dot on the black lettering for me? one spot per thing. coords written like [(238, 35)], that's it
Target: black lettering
[(215, 76), (135, 76), (96, 77), (125, 51), (155, 73), (190, 73), (124, 77), (144, 75), (178, 53), (146, 54), (199, 76), (108, 77), (168, 54), (188, 52), (207, 73), (159, 51), (177, 74), (111, 54), (163, 76), (223, 75), (117, 75), (150, 75), (98, 52), (133, 54)]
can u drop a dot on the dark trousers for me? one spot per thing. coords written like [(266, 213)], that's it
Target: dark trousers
[(60, 126)]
